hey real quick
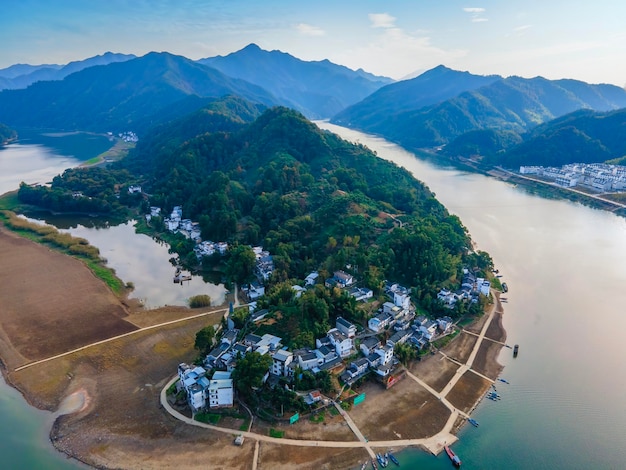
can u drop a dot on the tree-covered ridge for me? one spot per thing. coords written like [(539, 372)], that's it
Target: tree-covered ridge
[(85, 190), (512, 104), (312, 199), (6, 134), (584, 136)]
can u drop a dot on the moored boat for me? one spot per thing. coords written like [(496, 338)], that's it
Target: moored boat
[(381, 460), (374, 466), (393, 458), (456, 461), (473, 422)]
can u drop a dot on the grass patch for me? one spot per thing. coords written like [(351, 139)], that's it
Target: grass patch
[(172, 389), (208, 418), (334, 411), (318, 417), (245, 425), (9, 201), (277, 433)]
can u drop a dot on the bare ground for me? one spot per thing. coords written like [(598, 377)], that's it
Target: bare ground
[(436, 371), (467, 391), (405, 411), (66, 306), (461, 348), (333, 428), (276, 457)]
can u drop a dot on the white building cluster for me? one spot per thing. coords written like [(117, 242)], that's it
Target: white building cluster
[(176, 224), (202, 392), (599, 176)]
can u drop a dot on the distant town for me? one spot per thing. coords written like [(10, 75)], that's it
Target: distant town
[(597, 176)]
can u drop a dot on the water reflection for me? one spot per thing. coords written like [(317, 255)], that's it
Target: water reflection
[(139, 259)]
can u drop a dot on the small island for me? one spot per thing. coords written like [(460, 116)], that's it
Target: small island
[(360, 318)]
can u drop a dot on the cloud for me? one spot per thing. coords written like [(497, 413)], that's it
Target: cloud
[(474, 10), (519, 29), (476, 14), (394, 52), (310, 30), (382, 20)]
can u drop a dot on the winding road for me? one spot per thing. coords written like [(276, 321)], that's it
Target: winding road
[(434, 443)]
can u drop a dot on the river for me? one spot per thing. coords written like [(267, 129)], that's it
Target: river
[(565, 265)]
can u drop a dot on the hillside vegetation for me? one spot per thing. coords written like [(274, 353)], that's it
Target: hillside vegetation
[(514, 105), (312, 199)]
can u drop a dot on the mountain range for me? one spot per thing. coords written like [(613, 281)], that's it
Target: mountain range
[(513, 104), (318, 89), (466, 113), (22, 75)]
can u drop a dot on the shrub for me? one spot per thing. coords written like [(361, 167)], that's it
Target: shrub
[(198, 301)]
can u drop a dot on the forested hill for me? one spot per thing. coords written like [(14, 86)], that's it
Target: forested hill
[(118, 96), (6, 134), (312, 199), (512, 104), (581, 137), (319, 89), (429, 88)]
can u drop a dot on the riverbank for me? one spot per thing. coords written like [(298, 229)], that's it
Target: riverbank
[(113, 419)]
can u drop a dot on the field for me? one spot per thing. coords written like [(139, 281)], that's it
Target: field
[(66, 306)]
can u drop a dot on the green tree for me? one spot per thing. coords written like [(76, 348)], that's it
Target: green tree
[(250, 371), (240, 264), (404, 352), (204, 339)]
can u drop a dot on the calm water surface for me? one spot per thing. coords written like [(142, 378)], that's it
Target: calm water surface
[(565, 265)]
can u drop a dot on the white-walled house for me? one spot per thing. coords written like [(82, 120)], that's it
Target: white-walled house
[(379, 322), (345, 327), (402, 300), (220, 390), (343, 345), (280, 362)]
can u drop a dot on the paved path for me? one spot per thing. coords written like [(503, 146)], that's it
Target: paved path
[(104, 341), (433, 443), (357, 432)]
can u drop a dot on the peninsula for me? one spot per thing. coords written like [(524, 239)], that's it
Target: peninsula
[(69, 343)]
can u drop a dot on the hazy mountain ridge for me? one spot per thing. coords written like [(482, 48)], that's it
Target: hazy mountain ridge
[(431, 87), (22, 75), (118, 95), (513, 104), (319, 89)]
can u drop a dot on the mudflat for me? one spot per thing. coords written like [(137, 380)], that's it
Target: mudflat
[(51, 303), (110, 392)]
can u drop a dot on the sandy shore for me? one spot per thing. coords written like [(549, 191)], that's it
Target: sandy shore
[(107, 396)]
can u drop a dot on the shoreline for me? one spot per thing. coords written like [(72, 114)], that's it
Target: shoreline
[(106, 395)]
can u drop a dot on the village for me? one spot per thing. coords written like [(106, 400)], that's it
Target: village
[(348, 351), (600, 177)]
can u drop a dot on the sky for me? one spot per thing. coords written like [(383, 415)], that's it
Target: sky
[(584, 40)]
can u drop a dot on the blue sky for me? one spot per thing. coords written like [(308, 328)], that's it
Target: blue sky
[(552, 38)]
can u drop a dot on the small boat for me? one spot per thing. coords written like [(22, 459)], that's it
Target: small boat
[(381, 460), (364, 465), (504, 381), (515, 350), (374, 466), (456, 461), (392, 458), (505, 288), (473, 422)]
